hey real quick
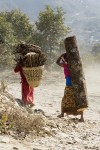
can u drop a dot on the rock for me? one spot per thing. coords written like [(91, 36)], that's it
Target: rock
[(40, 148), (5, 140), (15, 148)]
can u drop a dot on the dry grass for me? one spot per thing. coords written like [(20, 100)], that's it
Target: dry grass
[(3, 86), (16, 119)]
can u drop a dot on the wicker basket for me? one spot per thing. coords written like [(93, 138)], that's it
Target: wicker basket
[(33, 75)]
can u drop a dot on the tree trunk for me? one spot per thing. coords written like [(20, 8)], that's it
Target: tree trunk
[(76, 70)]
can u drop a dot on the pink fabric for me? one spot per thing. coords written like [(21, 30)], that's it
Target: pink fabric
[(66, 70), (27, 91)]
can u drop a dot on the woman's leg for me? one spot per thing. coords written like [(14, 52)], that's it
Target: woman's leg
[(82, 118), (62, 113)]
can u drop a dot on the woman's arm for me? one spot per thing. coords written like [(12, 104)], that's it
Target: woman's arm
[(65, 62), (17, 68), (58, 61)]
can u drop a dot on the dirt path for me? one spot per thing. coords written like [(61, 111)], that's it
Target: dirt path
[(73, 136)]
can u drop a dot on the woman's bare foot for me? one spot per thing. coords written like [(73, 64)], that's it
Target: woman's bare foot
[(61, 115), (81, 120), (31, 105)]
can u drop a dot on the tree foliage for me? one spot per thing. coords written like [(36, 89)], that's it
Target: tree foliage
[(14, 27), (6, 38), (21, 25), (47, 32), (51, 29), (6, 31)]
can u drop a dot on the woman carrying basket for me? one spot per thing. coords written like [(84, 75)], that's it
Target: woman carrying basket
[(27, 91)]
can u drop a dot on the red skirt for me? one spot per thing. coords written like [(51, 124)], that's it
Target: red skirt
[(27, 93)]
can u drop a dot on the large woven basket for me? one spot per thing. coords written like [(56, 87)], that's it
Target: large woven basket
[(33, 75)]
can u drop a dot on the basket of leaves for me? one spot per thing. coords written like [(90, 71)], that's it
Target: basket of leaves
[(32, 60)]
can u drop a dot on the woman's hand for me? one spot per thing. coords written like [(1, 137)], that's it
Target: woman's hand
[(63, 60)]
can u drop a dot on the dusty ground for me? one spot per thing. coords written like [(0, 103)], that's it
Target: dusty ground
[(70, 135)]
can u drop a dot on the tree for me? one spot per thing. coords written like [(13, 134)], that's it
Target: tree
[(6, 31), (14, 27), (6, 38), (50, 29), (21, 25)]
